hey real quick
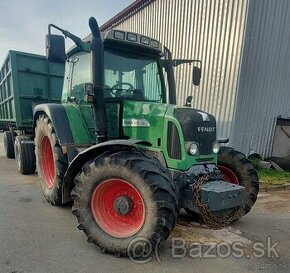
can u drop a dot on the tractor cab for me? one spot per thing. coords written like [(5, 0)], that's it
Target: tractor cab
[(132, 70)]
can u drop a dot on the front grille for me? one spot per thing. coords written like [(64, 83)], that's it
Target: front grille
[(205, 141), (173, 141), (190, 119)]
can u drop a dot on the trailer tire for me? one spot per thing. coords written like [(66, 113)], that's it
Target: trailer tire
[(50, 161), (237, 169), (144, 186), (25, 155), (9, 145)]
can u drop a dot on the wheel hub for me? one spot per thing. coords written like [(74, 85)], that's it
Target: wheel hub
[(229, 175), (123, 205), (118, 207)]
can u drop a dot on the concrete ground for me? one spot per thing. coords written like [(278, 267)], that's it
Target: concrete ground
[(37, 237)]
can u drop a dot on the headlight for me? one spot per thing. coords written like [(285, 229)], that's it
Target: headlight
[(193, 149), (216, 147)]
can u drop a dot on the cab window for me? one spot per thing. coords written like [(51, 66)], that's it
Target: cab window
[(78, 72)]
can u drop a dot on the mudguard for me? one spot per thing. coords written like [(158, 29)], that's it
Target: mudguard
[(75, 166), (57, 115)]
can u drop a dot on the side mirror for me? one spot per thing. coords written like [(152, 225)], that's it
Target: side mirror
[(55, 48), (196, 75)]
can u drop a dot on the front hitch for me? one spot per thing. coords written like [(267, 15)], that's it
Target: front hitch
[(207, 194)]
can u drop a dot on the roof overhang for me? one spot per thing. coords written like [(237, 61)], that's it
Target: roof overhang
[(125, 14)]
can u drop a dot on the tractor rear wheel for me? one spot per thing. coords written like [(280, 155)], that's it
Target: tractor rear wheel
[(237, 169), (125, 195), (50, 161), (25, 155), (9, 144)]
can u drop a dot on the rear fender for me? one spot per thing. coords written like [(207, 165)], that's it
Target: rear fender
[(78, 162)]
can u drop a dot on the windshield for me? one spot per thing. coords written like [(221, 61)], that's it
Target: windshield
[(132, 77)]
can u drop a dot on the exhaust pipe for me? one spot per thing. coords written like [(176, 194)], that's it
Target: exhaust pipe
[(99, 109)]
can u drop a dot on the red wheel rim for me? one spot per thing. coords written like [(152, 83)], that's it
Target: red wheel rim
[(47, 162), (229, 175), (103, 206)]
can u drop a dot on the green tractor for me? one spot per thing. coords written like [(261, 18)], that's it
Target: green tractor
[(124, 152)]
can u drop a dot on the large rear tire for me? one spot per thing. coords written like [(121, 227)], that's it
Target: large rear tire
[(50, 161), (9, 144), (122, 196), (237, 169), (25, 155)]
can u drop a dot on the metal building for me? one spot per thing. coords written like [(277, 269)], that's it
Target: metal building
[(244, 46)]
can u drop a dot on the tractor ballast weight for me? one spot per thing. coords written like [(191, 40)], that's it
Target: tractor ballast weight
[(125, 153)]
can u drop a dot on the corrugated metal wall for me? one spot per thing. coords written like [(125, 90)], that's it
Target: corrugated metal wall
[(264, 88), (212, 31)]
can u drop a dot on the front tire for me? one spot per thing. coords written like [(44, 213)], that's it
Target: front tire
[(237, 169), (50, 161), (122, 196)]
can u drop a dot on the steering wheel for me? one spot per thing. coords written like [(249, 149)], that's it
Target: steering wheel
[(107, 91), (118, 87)]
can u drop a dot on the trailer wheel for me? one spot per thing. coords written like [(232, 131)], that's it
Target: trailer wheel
[(9, 145), (25, 155), (237, 169), (122, 196), (50, 161)]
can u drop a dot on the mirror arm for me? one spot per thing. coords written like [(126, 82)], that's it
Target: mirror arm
[(177, 62), (78, 41)]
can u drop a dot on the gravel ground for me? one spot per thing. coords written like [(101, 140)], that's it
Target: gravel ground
[(37, 237)]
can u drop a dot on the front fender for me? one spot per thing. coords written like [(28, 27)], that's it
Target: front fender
[(57, 115), (92, 152)]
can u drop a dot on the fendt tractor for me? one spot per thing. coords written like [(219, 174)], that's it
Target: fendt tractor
[(124, 152)]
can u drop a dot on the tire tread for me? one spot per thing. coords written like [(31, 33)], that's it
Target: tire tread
[(165, 197)]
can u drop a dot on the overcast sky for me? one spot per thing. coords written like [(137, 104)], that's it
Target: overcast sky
[(23, 23)]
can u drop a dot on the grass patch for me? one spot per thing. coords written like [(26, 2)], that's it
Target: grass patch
[(272, 177)]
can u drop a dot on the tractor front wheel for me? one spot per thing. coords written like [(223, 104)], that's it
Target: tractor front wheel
[(50, 161), (122, 196), (237, 169)]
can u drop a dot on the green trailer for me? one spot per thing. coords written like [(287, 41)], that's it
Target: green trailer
[(26, 80)]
